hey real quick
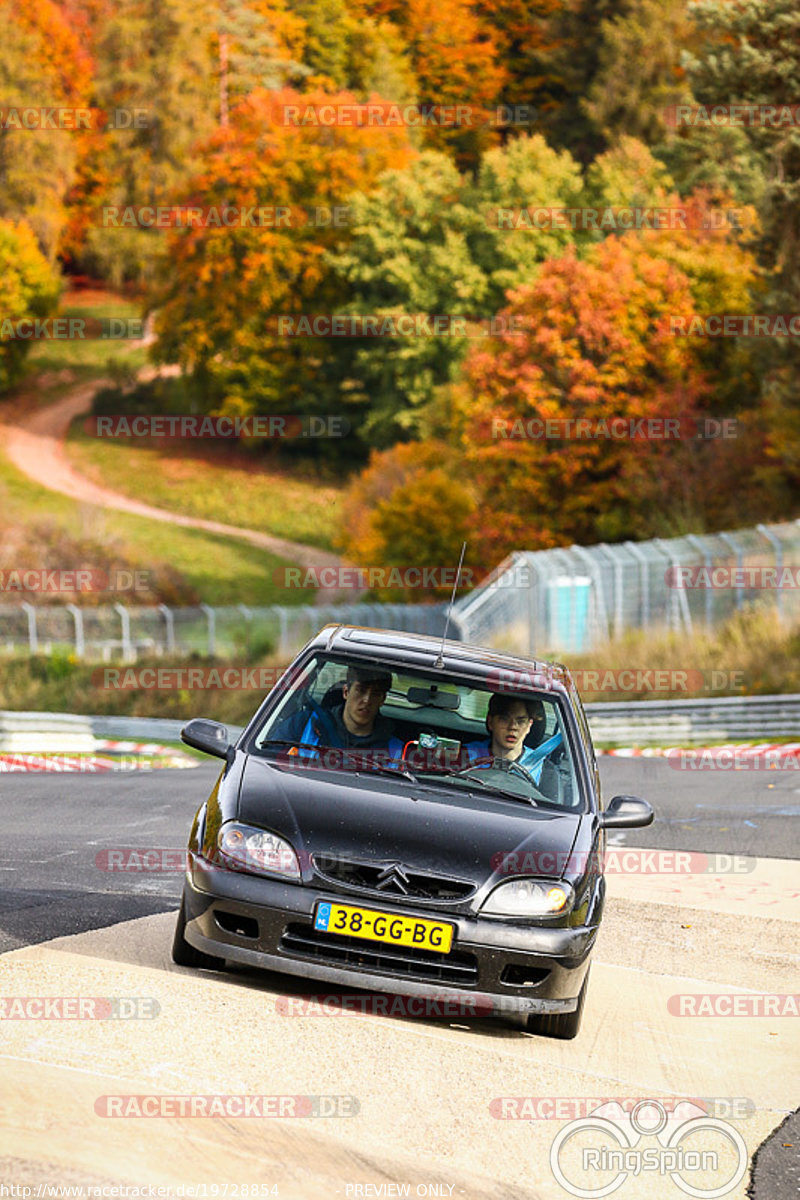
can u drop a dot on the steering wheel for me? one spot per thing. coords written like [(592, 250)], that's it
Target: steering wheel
[(510, 767), (523, 771)]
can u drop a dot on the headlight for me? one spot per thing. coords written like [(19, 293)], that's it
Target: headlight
[(529, 898), (256, 850)]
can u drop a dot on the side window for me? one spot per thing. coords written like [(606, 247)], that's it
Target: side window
[(553, 720), (330, 675), (299, 685), (583, 725)]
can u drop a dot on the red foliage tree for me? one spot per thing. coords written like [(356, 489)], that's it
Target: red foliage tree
[(595, 343)]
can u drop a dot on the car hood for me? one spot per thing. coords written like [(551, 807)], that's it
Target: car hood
[(370, 817)]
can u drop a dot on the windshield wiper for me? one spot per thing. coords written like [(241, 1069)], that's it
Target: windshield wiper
[(461, 773), (402, 770)]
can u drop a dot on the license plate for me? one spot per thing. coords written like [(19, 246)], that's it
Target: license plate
[(383, 927)]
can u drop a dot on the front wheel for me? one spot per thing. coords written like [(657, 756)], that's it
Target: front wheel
[(560, 1025), (185, 955)]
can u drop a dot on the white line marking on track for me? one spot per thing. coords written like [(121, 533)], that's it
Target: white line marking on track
[(46, 1062)]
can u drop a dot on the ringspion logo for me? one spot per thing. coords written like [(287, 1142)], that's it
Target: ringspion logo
[(595, 1155)]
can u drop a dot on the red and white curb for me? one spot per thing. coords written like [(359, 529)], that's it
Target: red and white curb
[(132, 747), (93, 763), (775, 752), (160, 756)]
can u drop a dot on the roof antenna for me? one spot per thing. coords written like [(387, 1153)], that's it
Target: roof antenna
[(439, 663)]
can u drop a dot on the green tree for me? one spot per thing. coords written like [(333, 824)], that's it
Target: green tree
[(752, 55), (523, 175), (409, 253), (719, 160), (28, 289), (568, 63), (328, 32), (154, 57), (431, 241), (379, 63), (249, 54), (627, 174), (524, 32), (639, 72), (346, 48)]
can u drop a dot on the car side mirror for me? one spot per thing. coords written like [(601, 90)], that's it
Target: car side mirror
[(627, 812), (208, 736)]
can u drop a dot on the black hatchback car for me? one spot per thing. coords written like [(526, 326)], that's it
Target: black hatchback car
[(409, 816)]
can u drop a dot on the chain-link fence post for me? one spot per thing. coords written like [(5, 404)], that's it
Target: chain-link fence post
[(80, 641), (125, 622), (211, 617), (33, 637)]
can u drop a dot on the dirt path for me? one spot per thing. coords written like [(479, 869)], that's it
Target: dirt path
[(34, 442)]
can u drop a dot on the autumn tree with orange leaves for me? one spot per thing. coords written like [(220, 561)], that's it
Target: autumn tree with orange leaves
[(408, 507), (596, 342), (42, 65), (454, 53), (223, 288)]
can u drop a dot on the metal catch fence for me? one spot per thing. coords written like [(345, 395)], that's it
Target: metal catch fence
[(119, 632), (539, 603), (572, 599)]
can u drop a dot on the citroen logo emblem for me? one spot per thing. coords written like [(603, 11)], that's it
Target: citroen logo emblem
[(393, 876)]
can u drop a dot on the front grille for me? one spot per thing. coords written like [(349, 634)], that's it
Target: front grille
[(302, 941), (390, 879)]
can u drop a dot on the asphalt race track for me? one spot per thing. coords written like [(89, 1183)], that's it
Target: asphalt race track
[(414, 1106)]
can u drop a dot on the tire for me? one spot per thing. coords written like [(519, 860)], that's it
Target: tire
[(560, 1025), (185, 955)]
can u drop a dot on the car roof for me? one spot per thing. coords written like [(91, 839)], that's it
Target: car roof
[(483, 663)]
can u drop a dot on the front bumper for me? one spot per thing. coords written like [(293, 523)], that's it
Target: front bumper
[(497, 966)]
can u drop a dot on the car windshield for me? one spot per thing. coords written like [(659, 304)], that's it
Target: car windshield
[(424, 727)]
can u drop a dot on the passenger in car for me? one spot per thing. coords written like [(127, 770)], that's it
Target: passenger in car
[(355, 723), (509, 721)]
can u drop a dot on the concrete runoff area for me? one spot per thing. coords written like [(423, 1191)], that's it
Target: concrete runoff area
[(436, 1098)]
